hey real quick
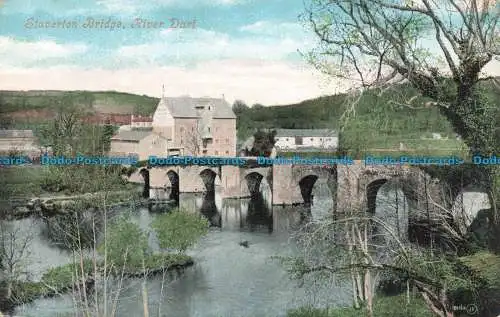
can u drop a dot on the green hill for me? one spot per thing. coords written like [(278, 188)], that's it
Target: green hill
[(379, 123), (100, 101)]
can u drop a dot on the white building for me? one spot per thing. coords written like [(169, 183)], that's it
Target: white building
[(306, 139)]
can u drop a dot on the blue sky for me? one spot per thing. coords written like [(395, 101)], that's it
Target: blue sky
[(244, 49), (224, 29)]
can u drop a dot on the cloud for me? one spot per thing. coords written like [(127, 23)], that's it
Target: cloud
[(18, 52), (275, 28), (111, 7), (253, 81), (201, 44), (134, 6)]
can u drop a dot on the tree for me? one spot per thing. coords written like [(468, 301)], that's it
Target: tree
[(179, 229), (378, 42), (263, 143), (367, 249), (64, 131), (239, 107), (193, 140), (107, 133), (14, 252)]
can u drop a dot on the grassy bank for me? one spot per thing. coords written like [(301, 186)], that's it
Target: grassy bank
[(62, 279), (393, 306)]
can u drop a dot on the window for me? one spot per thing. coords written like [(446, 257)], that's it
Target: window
[(227, 141), (216, 152), (217, 141), (208, 107), (205, 152), (298, 140), (287, 139), (311, 139), (209, 129), (320, 139), (227, 152)]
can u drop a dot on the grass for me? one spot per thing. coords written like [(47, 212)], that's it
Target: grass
[(62, 278), (101, 101), (393, 306), (487, 265)]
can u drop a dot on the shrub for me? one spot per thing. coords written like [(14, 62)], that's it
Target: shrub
[(179, 229)]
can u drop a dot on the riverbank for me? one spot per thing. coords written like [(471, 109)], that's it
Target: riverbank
[(51, 205), (60, 280), (393, 306)]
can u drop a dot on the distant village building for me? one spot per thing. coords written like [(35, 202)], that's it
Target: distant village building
[(181, 126), (21, 142), (109, 118), (306, 139), (141, 121)]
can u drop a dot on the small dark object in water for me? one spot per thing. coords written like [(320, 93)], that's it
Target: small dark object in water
[(244, 244)]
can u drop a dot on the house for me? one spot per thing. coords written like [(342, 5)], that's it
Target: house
[(108, 118), (21, 142), (182, 126), (306, 139), (141, 121)]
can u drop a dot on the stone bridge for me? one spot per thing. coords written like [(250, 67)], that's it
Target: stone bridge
[(352, 186)]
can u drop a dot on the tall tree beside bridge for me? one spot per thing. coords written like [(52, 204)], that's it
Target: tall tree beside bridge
[(438, 47)]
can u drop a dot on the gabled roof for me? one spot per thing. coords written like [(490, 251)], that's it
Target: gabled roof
[(306, 133), (185, 107)]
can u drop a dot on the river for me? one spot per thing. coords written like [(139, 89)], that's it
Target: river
[(227, 279)]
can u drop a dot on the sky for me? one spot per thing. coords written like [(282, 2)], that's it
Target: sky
[(242, 49)]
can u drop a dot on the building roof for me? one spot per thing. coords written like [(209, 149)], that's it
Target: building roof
[(185, 107), (305, 133), (133, 135), (141, 119), (16, 134)]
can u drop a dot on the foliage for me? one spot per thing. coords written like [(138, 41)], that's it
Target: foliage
[(62, 277), (107, 133), (81, 179), (125, 244), (394, 306), (263, 143), (118, 102), (179, 229)]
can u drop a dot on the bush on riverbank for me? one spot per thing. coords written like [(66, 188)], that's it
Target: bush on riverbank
[(127, 245), (54, 281), (179, 229), (63, 278), (393, 306), (77, 179)]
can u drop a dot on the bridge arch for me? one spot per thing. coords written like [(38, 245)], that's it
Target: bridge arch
[(395, 212), (309, 177), (469, 203), (208, 176), (144, 172), (173, 184), (306, 185), (253, 181)]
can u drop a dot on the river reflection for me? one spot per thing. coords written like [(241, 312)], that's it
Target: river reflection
[(227, 279)]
